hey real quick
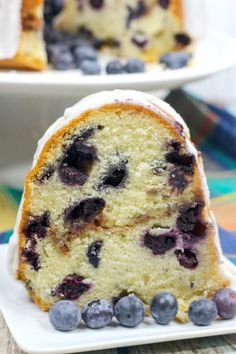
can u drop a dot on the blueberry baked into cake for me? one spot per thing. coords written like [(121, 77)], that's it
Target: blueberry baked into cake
[(21, 40), (116, 203), (143, 29)]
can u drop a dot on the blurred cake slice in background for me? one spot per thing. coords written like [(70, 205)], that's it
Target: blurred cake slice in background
[(143, 29), (21, 40)]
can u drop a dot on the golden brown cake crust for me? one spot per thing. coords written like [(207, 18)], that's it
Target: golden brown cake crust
[(31, 54), (26, 58), (31, 5), (177, 9)]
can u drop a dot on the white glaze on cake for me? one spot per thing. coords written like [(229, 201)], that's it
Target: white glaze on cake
[(96, 101), (10, 27)]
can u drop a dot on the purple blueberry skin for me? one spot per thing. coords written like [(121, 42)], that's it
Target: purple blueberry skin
[(84, 212), (164, 308), (130, 311), (61, 60), (225, 300), (82, 53), (202, 312), (189, 218), (32, 258), (78, 161), (115, 67), (175, 60), (160, 244), (97, 314), (37, 226), (135, 66), (65, 315), (187, 258), (90, 67)]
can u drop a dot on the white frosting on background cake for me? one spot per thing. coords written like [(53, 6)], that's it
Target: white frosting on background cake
[(10, 27), (96, 101)]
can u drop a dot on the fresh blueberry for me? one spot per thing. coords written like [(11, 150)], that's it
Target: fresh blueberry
[(225, 300), (164, 308), (135, 66), (61, 60), (97, 314), (175, 60), (115, 67), (82, 53), (65, 315), (90, 67), (129, 311), (55, 50), (202, 312), (115, 299), (78, 43)]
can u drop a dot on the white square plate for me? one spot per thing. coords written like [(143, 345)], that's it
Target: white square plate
[(34, 334)]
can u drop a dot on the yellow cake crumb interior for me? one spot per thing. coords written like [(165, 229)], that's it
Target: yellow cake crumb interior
[(145, 201)]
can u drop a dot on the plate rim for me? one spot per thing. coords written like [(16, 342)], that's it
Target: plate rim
[(48, 81)]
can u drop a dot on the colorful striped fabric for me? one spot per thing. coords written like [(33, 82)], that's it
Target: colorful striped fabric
[(214, 131)]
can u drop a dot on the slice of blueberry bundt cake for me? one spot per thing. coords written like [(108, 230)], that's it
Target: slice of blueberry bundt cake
[(116, 203), (130, 28), (21, 40)]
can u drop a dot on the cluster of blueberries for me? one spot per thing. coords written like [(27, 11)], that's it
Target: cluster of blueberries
[(85, 57), (82, 55), (129, 311)]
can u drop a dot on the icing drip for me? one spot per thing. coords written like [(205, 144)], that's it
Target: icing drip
[(10, 27)]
